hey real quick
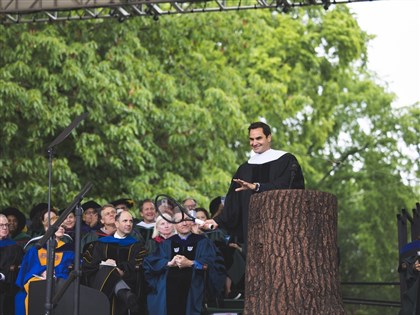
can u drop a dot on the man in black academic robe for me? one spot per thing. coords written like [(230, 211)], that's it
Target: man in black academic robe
[(11, 255), (112, 265), (267, 169)]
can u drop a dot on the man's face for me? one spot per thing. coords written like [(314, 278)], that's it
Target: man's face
[(13, 223), (108, 216), (4, 228), (190, 204), (148, 212), (90, 216), (183, 227), (258, 140), (124, 224)]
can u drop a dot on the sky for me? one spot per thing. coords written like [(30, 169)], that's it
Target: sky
[(395, 52)]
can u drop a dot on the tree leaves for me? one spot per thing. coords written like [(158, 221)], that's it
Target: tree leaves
[(169, 103)]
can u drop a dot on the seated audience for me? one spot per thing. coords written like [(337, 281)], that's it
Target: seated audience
[(17, 225), (189, 204), (11, 255), (123, 204), (90, 217), (107, 219), (410, 268), (202, 214), (34, 267), (35, 226), (44, 217), (112, 264), (69, 223), (175, 272), (162, 231), (148, 218)]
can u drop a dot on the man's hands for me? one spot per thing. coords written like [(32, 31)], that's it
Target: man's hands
[(417, 265), (180, 261), (209, 225), (244, 185)]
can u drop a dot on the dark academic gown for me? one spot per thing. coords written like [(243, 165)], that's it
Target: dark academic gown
[(128, 254), (272, 175), (175, 291), (35, 263), (410, 298), (11, 255), (145, 232)]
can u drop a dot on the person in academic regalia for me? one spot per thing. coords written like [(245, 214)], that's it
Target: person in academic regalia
[(107, 219), (162, 231), (267, 169), (112, 265), (409, 267), (176, 273), (148, 218), (11, 255), (17, 224), (35, 225), (34, 267), (90, 218), (45, 223), (108, 228), (123, 204)]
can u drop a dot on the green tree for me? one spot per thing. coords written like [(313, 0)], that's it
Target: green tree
[(169, 103)]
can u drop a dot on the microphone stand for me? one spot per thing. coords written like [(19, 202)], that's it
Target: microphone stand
[(51, 244), (49, 237), (76, 270)]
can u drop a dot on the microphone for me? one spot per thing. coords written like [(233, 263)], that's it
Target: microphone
[(293, 170)]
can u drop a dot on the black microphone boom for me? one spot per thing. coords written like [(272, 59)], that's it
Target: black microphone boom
[(53, 228), (64, 134)]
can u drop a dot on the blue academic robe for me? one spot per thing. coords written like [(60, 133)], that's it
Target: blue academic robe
[(156, 272), (35, 263)]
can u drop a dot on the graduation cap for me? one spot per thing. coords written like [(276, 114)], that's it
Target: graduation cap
[(60, 212), (37, 209), (91, 204), (18, 214), (129, 203)]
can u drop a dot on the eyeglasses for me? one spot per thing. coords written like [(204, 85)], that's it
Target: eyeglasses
[(110, 213), (90, 213), (4, 226)]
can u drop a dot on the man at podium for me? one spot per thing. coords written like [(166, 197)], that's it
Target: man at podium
[(267, 169)]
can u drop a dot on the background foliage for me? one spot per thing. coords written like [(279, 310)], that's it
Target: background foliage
[(169, 103)]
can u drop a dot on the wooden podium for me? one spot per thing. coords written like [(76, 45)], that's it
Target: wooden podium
[(91, 301), (292, 260)]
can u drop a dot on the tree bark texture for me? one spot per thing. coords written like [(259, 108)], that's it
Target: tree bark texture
[(292, 260)]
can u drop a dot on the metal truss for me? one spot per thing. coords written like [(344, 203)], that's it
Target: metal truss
[(32, 11)]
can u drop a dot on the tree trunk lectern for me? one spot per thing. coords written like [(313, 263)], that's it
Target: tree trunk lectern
[(292, 259)]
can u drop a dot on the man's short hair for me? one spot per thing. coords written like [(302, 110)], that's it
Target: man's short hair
[(108, 205), (118, 215), (266, 128), (142, 202)]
